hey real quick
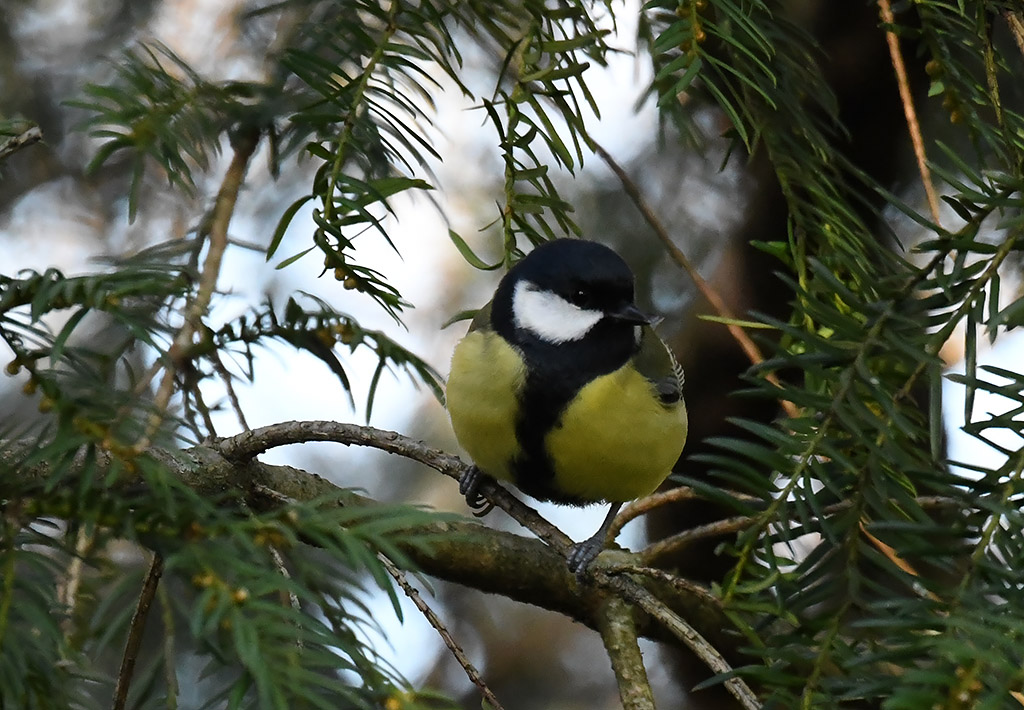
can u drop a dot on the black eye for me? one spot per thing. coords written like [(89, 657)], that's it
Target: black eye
[(580, 298)]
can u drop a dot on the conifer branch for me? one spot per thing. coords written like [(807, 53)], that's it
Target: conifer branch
[(244, 143)]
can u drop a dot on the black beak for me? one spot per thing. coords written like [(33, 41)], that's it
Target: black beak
[(628, 313)]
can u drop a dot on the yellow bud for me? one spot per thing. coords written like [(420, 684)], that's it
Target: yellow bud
[(13, 367), (240, 595), (203, 580)]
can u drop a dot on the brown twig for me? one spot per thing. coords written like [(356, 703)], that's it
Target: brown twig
[(460, 656), (717, 303), (642, 506), (135, 631), (671, 545), (893, 556), (646, 504), (1015, 21), (896, 55), (223, 208)]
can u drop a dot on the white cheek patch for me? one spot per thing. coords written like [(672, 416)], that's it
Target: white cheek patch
[(549, 316)]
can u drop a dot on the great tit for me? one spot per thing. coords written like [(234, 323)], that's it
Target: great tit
[(562, 388)]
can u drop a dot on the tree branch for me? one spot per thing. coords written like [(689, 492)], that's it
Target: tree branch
[(244, 144), (135, 630), (463, 552), (746, 343), (618, 631), (15, 143), (686, 633), (909, 112), (252, 443), (460, 656)]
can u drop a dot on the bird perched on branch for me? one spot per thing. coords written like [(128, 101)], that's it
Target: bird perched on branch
[(562, 388)]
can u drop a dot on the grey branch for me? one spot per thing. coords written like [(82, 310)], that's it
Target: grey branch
[(24, 139), (464, 552)]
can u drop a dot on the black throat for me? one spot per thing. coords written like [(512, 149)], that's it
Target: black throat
[(555, 373)]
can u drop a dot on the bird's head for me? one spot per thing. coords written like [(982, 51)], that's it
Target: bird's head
[(564, 289)]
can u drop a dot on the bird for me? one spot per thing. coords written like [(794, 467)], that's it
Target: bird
[(562, 388)]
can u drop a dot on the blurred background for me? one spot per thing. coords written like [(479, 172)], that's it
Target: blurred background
[(714, 203)]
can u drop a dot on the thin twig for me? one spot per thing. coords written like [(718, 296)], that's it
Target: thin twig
[(618, 631), (896, 55), (893, 556), (681, 584), (1015, 21), (460, 656), (69, 592), (673, 544), (646, 504), (682, 630), (223, 208), (15, 143), (717, 303), (292, 598), (225, 376), (135, 631), (642, 506)]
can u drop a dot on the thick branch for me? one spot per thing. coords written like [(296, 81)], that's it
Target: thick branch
[(251, 443), (463, 552)]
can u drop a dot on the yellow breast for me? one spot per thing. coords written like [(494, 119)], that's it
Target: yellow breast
[(486, 376), (616, 441)]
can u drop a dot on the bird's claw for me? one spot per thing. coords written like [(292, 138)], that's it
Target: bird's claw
[(469, 483), (581, 554)]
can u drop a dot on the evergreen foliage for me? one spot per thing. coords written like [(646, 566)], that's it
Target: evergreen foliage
[(910, 596)]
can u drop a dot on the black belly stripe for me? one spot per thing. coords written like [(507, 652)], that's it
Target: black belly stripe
[(555, 374)]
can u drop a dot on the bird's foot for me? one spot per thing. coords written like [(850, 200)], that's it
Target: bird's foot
[(581, 554), (469, 484)]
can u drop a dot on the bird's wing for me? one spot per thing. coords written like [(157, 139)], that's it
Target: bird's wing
[(655, 362)]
